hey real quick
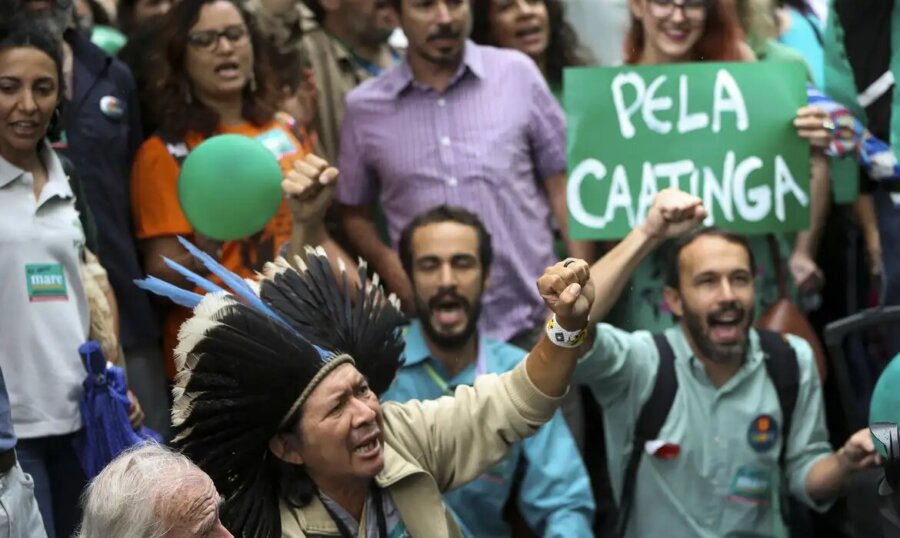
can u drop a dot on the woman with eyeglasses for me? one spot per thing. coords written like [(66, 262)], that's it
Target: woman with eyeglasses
[(211, 77), (536, 28), (680, 31)]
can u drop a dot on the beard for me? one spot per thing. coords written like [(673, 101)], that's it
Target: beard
[(443, 340), (445, 58), (700, 333), (55, 20)]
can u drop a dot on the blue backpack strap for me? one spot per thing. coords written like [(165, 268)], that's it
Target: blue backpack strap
[(784, 372), (650, 421)]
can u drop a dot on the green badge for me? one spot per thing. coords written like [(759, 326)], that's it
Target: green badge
[(46, 282), (750, 485), (277, 142)]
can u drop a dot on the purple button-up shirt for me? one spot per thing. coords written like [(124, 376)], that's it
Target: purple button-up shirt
[(485, 144)]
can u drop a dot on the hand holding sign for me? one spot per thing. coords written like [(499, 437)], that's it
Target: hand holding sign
[(673, 213), (815, 125)]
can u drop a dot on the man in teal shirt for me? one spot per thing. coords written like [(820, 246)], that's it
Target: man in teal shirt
[(446, 253), (713, 471)]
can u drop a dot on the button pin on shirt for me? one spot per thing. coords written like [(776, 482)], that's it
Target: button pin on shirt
[(112, 107), (445, 140), (451, 181), (441, 102), (663, 450)]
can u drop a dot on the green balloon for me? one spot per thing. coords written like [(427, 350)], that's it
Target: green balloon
[(885, 406), (108, 39), (230, 187)]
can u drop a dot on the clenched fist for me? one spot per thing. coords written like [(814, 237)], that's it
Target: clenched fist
[(568, 291), (309, 188), (673, 213)]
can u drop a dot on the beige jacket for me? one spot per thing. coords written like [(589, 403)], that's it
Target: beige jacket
[(437, 445)]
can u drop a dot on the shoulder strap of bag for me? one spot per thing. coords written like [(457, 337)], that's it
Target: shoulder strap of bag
[(650, 422), (783, 370), (88, 224)]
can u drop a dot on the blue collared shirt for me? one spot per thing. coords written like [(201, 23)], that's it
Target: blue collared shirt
[(555, 495)]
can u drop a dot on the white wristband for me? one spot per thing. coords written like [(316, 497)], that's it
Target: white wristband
[(562, 337)]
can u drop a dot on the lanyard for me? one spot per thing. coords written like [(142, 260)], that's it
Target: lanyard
[(480, 369), (373, 69), (379, 514), (370, 67)]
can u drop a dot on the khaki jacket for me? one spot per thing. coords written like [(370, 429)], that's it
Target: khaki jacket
[(336, 71), (437, 445)]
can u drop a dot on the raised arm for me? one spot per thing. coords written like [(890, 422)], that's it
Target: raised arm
[(456, 438), (309, 189), (673, 213)]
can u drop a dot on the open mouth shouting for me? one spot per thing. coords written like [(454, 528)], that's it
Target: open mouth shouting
[(727, 325), (449, 311), (369, 447), (228, 70), (532, 34)]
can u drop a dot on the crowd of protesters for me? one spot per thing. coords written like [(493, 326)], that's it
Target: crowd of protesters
[(425, 141)]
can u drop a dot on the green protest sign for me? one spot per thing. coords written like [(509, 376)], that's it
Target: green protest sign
[(723, 132)]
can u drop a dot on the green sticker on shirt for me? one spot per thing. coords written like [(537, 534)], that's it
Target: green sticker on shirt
[(278, 142), (46, 282), (750, 485)]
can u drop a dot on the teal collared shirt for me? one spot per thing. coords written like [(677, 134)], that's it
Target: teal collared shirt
[(724, 482), (555, 495)]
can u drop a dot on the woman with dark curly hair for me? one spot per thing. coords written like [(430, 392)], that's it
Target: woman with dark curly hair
[(210, 76), (535, 27)]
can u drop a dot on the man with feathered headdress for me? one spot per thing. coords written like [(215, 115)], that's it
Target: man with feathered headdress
[(277, 400)]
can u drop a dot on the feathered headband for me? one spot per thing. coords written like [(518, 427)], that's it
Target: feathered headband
[(247, 360)]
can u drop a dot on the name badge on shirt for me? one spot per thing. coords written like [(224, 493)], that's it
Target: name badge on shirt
[(278, 142), (46, 282), (750, 485), (763, 433)]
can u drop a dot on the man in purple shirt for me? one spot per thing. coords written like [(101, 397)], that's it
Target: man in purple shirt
[(463, 125)]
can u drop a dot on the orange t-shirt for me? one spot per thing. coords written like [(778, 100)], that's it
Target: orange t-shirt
[(157, 210)]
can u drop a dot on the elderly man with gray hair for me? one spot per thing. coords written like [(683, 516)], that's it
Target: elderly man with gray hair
[(150, 491)]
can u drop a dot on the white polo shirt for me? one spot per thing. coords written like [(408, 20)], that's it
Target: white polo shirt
[(42, 300)]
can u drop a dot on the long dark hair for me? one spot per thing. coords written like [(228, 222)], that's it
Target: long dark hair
[(563, 49), (176, 109), (23, 32)]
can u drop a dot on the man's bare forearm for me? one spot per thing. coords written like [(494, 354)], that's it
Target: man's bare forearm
[(613, 271)]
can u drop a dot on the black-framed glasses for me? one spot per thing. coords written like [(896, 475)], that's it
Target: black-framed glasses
[(209, 39), (691, 8)]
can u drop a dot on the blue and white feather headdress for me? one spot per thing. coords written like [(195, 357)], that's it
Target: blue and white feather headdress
[(252, 353)]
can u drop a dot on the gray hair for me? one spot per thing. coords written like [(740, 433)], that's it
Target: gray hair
[(127, 498)]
